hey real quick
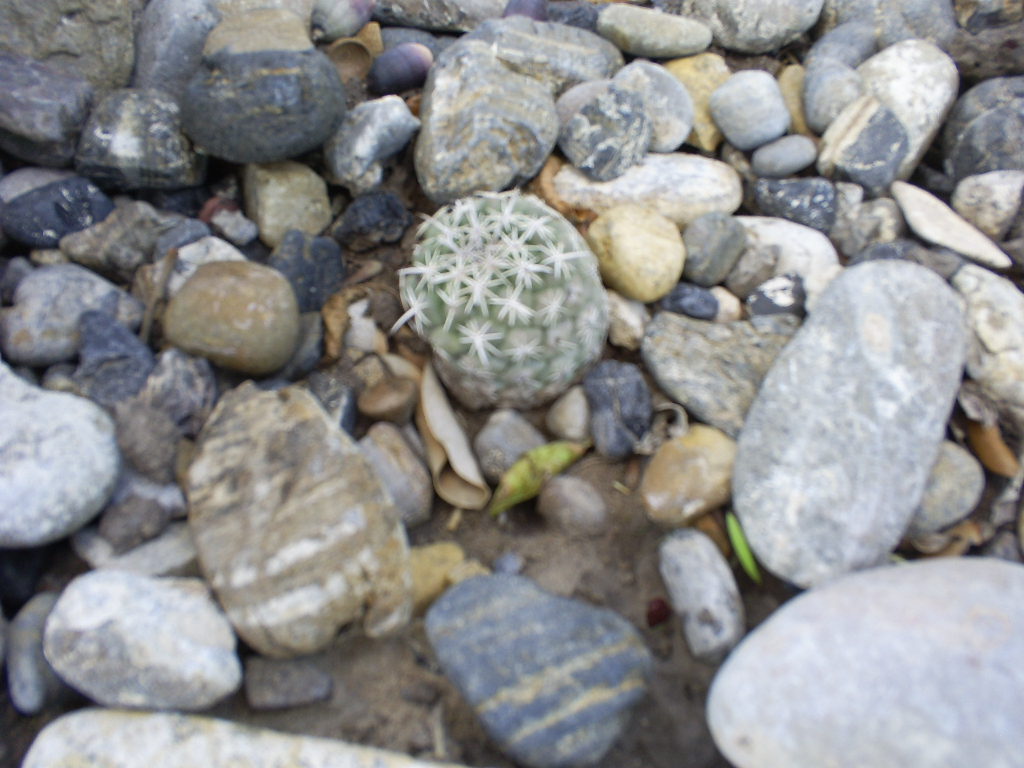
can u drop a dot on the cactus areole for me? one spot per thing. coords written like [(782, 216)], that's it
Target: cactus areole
[(508, 295)]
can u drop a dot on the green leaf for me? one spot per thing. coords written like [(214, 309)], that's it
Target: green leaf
[(524, 479), (741, 547)]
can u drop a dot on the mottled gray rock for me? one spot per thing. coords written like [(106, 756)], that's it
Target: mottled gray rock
[(440, 15), (126, 640), (502, 440), (783, 157), (483, 126), (574, 505), (183, 387), (861, 224), (620, 407), (552, 679), (314, 545), (94, 40), (607, 134), (691, 300), (953, 490), (866, 143), (172, 553), (401, 470), (313, 265), (713, 369), (984, 129), (753, 26), (31, 682), (58, 462), (714, 242), (749, 109), (113, 363), (41, 216), (837, 446), (650, 33), (133, 140), (839, 676), (831, 81), (779, 295), (990, 201), (372, 219), (139, 510), (368, 135), (283, 683), (929, 20), (989, 53), (170, 43), (667, 103), (41, 111), (807, 201), (703, 593), (128, 739)]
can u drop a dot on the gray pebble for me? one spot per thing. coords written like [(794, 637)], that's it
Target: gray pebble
[(503, 439), (714, 243), (169, 44), (984, 129), (31, 681), (574, 505), (607, 135), (691, 300), (401, 470), (667, 103), (282, 683), (650, 33), (139, 510), (783, 157), (113, 363), (749, 109), (620, 407), (568, 418), (807, 201), (368, 135), (829, 86)]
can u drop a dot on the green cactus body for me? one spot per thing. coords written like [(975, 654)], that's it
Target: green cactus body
[(509, 296)]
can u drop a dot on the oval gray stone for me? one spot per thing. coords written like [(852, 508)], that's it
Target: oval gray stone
[(916, 664), (954, 488), (749, 109), (783, 157), (837, 446), (552, 679), (754, 26), (31, 682), (651, 34)]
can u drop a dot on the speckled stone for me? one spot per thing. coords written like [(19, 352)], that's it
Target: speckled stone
[(754, 26), (807, 201), (779, 295), (749, 109), (701, 74), (783, 157), (714, 242), (666, 101), (283, 196), (934, 22), (551, 679), (315, 545), (609, 133), (866, 144), (41, 216), (879, 361), (620, 407), (372, 219), (648, 33), (441, 15)]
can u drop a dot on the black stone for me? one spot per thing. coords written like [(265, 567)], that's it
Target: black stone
[(313, 265), (371, 220), (574, 13), (113, 363), (607, 135), (691, 300), (873, 158), (811, 202), (20, 571), (780, 295), (40, 217), (620, 407)]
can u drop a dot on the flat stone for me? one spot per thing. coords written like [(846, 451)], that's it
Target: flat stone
[(782, 294), (703, 594), (648, 33), (126, 640), (31, 682), (283, 196), (666, 101), (879, 360), (954, 489), (791, 82), (839, 676), (912, 20), (288, 567), (753, 26), (139, 510), (784, 157), (171, 553), (714, 242), (368, 135), (679, 186), (120, 739), (713, 369), (551, 679), (830, 86), (990, 201), (749, 109)]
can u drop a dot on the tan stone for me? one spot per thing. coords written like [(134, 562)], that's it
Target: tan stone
[(688, 476), (285, 195), (431, 565), (701, 74), (791, 83), (639, 251), (247, 30)]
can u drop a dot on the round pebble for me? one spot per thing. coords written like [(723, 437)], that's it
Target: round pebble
[(691, 300), (784, 157), (749, 109), (574, 505)]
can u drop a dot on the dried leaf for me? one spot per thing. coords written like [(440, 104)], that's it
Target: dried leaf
[(987, 443), (525, 478), (453, 466), (740, 546)]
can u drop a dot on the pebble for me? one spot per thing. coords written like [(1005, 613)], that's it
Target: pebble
[(169, 43), (791, 82), (755, 26), (313, 265), (607, 134), (677, 185), (749, 109), (688, 476), (58, 464), (369, 135), (392, 399), (691, 300), (436, 567), (31, 682), (830, 86), (953, 490), (41, 216), (42, 111), (372, 219), (283, 196), (714, 243), (232, 107), (118, 739), (703, 594), (126, 640), (784, 157), (714, 370), (290, 570), (807, 201), (568, 418), (401, 471), (574, 505), (113, 363), (701, 75), (133, 140), (990, 201), (861, 224), (729, 307), (440, 16), (995, 314), (880, 361), (504, 437), (627, 319), (239, 315), (640, 252), (171, 553), (983, 129), (234, 226), (620, 407), (552, 679), (121, 243), (189, 258), (139, 510), (182, 387), (850, 146), (648, 33), (934, 221), (827, 653), (780, 295), (666, 101), (282, 683)]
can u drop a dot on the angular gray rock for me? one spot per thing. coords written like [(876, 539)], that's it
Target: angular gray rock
[(368, 135), (915, 664), (713, 369), (838, 445), (127, 640), (440, 15)]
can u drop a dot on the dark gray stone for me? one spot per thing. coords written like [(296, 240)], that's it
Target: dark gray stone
[(954, 488), (138, 511), (133, 140), (113, 363), (372, 219), (40, 217), (442, 15), (850, 43), (283, 683), (620, 407), (807, 201), (368, 135), (985, 128), (20, 572), (837, 447), (313, 265), (931, 20), (781, 295), (607, 135), (41, 111), (552, 679), (714, 369), (170, 43), (183, 387), (714, 243), (392, 36), (14, 272), (691, 300), (866, 145)]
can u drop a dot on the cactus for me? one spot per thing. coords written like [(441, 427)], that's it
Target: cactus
[(509, 297)]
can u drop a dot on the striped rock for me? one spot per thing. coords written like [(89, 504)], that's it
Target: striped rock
[(552, 679), (294, 530)]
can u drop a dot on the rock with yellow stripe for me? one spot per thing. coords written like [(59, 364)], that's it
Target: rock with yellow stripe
[(551, 679)]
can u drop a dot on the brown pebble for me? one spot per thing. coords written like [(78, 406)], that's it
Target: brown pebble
[(987, 443), (390, 399)]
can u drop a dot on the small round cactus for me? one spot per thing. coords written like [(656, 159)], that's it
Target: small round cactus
[(509, 297)]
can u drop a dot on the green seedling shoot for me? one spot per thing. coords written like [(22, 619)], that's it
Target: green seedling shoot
[(525, 478), (741, 547)]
